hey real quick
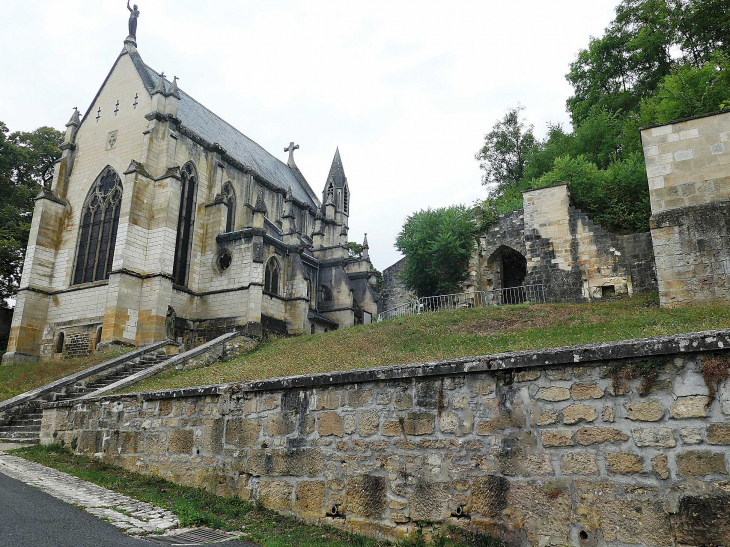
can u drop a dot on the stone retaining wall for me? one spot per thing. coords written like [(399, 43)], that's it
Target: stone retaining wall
[(616, 443)]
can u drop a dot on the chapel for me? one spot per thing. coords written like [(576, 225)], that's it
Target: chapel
[(163, 221)]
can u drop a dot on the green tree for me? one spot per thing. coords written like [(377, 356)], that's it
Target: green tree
[(26, 163), (505, 151), (437, 244), (354, 250)]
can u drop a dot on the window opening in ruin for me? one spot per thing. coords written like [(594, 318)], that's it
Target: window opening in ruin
[(271, 278), (59, 342), (608, 291), (185, 221), (98, 231), (229, 197)]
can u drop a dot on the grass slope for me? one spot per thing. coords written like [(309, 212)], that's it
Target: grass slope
[(196, 507), (18, 378), (460, 333)]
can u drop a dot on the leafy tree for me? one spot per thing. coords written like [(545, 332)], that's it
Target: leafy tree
[(437, 244), (354, 250), (505, 151), (26, 163)]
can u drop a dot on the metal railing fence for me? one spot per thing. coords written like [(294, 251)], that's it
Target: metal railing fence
[(476, 299)]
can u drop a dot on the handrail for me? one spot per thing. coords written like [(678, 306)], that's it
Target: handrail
[(475, 299)]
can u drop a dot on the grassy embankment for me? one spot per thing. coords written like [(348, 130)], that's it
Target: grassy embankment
[(18, 378), (460, 333), (196, 507)]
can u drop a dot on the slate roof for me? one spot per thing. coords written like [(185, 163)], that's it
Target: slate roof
[(215, 129)]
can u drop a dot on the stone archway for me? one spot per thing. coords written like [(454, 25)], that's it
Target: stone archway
[(508, 269)]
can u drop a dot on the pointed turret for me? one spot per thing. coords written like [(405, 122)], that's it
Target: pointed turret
[(160, 86), (337, 171), (174, 90), (72, 126), (259, 210), (365, 249)]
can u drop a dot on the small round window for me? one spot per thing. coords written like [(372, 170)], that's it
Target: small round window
[(224, 259)]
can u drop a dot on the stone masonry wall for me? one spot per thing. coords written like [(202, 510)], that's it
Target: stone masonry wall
[(394, 292), (574, 258), (572, 446), (688, 167)]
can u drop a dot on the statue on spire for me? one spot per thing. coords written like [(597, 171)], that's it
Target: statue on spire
[(133, 14)]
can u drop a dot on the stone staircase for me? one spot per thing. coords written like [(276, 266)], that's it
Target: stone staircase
[(25, 427)]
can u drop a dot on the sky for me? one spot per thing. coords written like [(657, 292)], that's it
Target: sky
[(406, 89)]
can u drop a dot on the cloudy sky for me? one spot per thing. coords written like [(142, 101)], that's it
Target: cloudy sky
[(406, 89)]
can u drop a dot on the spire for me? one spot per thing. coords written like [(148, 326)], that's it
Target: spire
[(337, 171), (75, 118), (160, 86), (174, 90), (365, 249)]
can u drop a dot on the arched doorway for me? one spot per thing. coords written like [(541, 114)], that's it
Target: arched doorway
[(508, 269)]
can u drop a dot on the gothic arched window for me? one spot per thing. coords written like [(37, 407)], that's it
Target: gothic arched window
[(229, 197), (271, 278), (346, 200), (98, 231), (185, 221), (325, 295), (330, 193)]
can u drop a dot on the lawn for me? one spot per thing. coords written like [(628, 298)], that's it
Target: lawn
[(449, 334), (197, 507), (18, 378)]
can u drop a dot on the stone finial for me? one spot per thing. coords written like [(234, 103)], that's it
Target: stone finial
[(289, 196), (174, 90), (75, 118), (365, 249), (160, 86), (260, 206)]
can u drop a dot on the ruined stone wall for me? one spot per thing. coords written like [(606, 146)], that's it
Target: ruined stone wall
[(574, 258), (394, 292), (618, 442), (688, 166)]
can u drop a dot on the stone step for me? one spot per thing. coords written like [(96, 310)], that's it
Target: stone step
[(17, 427), (24, 421), (31, 440), (20, 434)]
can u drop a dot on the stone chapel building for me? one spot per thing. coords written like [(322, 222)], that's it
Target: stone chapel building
[(164, 221)]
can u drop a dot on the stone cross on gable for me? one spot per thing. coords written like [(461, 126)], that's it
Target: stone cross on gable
[(291, 149)]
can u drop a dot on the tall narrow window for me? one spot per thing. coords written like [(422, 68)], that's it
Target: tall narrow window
[(185, 221), (271, 278), (346, 205), (98, 231), (249, 196), (304, 222), (280, 205), (330, 193), (59, 342), (229, 197)]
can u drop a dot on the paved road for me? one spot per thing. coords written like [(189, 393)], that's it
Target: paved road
[(31, 518)]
